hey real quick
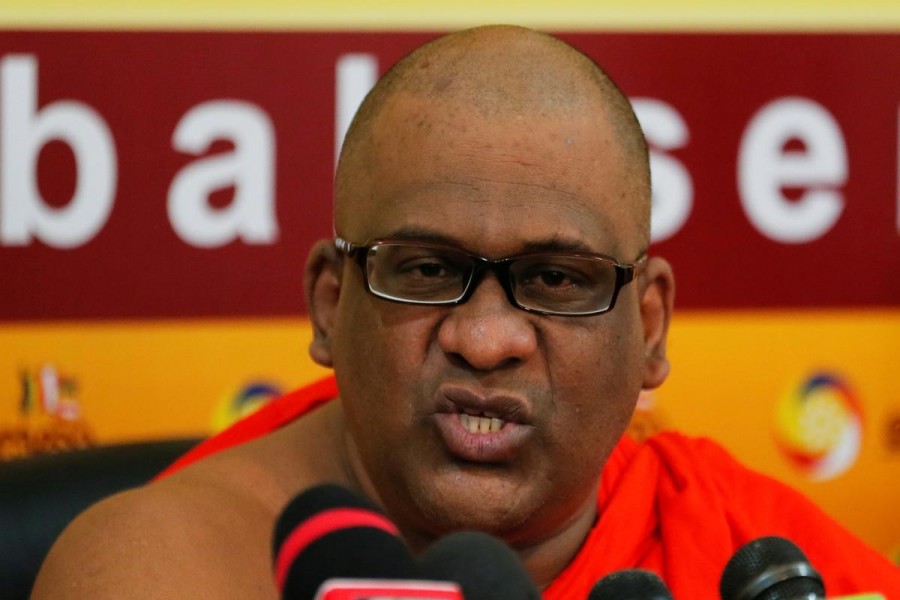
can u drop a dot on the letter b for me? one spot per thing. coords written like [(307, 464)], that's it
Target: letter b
[(24, 130)]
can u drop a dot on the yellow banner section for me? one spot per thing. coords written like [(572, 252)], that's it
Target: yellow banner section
[(809, 397), (144, 380), (571, 15)]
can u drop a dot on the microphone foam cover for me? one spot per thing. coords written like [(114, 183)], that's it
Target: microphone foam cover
[(485, 567), (313, 501), (630, 584), (330, 532), (756, 561)]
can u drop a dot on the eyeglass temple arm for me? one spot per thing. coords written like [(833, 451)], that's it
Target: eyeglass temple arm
[(343, 245), (634, 268)]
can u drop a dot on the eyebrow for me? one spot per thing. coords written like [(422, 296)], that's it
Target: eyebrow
[(552, 243)]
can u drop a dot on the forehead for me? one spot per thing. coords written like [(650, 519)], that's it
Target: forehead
[(494, 184)]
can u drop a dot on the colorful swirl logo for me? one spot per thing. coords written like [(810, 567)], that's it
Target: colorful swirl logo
[(234, 405), (819, 426)]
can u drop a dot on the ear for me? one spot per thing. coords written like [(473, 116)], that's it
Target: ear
[(322, 286), (657, 297)]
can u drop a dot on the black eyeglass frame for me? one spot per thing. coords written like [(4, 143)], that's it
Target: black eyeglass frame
[(359, 253)]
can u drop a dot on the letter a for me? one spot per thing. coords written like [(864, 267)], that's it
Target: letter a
[(249, 168)]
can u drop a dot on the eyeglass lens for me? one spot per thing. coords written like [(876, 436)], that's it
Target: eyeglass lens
[(546, 282)]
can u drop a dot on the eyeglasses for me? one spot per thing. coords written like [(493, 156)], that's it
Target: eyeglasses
[(548, 283)]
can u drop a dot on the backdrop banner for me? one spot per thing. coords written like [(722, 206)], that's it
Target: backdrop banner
[(159, 191)]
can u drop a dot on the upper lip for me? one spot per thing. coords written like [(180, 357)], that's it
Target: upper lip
[(509, 407)]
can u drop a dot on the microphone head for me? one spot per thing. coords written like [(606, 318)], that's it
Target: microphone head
[(485, 567), (329, 532), (630, 584), (770, 568)]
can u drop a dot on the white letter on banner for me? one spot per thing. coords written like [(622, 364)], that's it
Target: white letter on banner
[(250, 169), (673, 190), (355, 75), (24, 130), (765, 167)]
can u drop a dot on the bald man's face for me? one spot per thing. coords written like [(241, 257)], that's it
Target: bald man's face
[(563, 388)]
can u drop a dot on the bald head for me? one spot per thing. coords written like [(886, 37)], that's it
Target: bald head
[(500, 73)]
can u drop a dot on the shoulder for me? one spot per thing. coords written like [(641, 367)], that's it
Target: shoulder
[(705, 468), (171, 539), (202, 532), (277, 414), (696, 480), (701, 483), (702, 457)]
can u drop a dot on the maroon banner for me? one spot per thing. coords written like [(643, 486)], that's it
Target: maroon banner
[(169, 174)]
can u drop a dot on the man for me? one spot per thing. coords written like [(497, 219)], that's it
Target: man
[(493, 402)]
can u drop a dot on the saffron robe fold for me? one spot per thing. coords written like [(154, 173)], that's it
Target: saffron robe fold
[(675, 505)]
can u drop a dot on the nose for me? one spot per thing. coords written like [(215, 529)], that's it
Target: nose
[(486, 331)]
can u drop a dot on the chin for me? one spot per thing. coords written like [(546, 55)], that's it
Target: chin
[(475, 502), (496, 521)]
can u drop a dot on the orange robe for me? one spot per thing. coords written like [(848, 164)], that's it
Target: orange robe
[(675, 505)]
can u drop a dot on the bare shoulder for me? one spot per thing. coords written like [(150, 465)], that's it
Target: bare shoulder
[(152, 542), (204, 532)]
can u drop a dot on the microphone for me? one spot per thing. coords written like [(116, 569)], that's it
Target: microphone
[(773, 568), (485, 567), (630, 584), (770, 568), (332, 544)]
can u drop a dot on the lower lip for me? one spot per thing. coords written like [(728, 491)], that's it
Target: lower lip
[(494, 447)]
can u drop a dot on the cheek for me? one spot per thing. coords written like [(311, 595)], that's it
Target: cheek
[(379, 351), (597, 380)]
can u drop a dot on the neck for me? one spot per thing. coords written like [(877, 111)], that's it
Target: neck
[(546, 559)]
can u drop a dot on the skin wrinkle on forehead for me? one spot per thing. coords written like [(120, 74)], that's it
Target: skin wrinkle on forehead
[(493, 157), (470, 190), (445, 124), (418, 202)]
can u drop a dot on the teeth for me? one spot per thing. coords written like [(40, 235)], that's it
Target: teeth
[(479, 424)]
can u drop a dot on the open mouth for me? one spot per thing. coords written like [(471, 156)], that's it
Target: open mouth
[(482, 427), (480, 422), (483, 413)]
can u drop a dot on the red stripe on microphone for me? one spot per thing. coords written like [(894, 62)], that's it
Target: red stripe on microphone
[(323, 524)]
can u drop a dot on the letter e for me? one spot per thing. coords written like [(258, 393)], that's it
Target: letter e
[(765, 167)]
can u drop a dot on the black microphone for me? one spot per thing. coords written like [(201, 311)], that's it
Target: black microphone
[(485, 567), (630, 584), (330, 543), (770, 568)]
